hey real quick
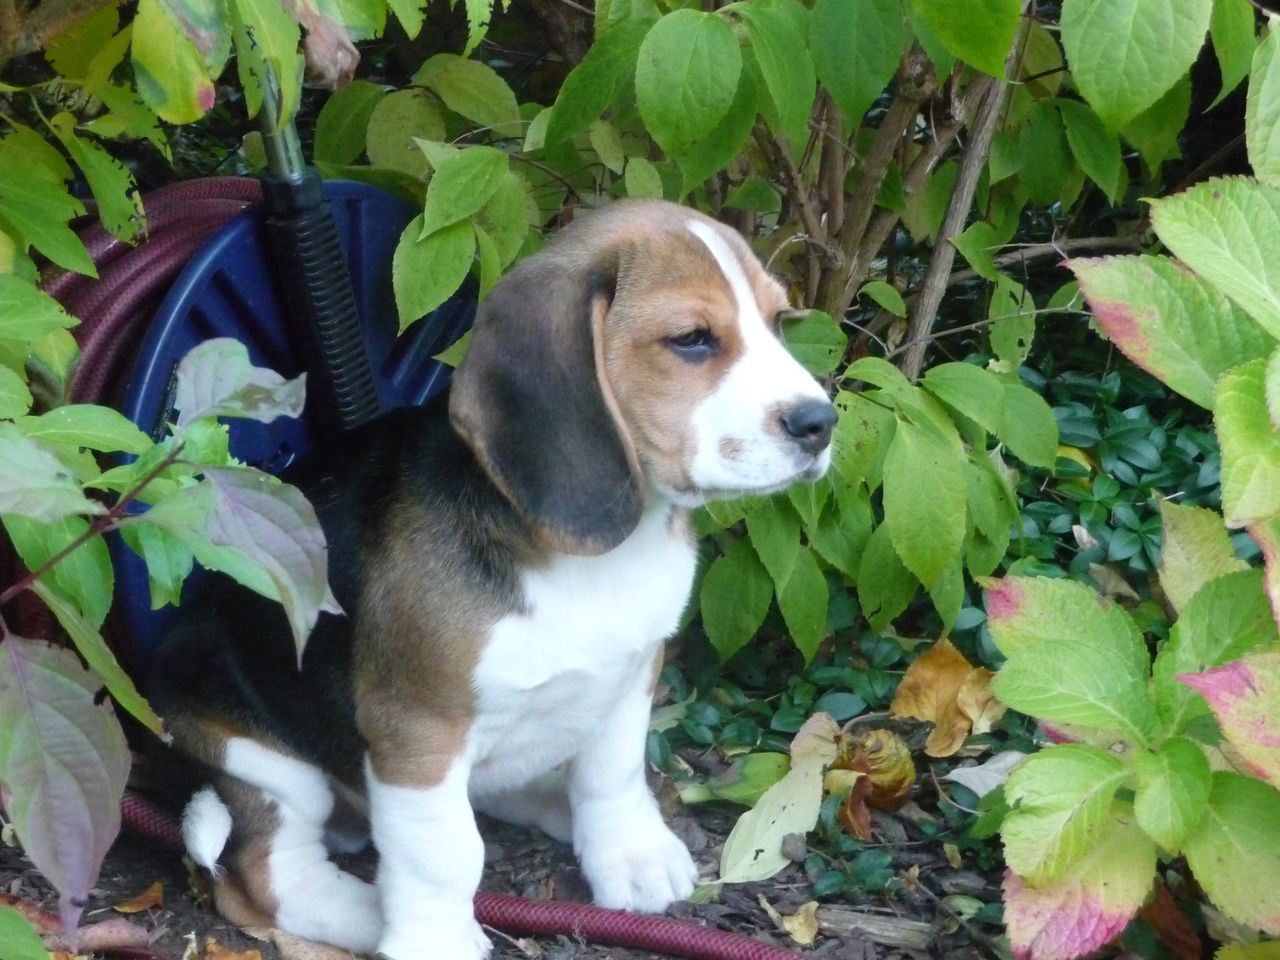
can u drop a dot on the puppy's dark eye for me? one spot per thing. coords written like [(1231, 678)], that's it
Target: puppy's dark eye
[(697, 344)]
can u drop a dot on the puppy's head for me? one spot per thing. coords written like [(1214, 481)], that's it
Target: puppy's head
[(638, 352)]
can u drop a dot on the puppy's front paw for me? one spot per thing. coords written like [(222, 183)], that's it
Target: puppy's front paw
[(451, 940), (646, 871)]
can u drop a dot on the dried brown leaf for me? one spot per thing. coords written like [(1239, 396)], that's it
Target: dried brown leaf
[(943, 688), (149, 898)]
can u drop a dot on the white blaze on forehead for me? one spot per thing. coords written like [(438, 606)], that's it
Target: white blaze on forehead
[(729, 265)]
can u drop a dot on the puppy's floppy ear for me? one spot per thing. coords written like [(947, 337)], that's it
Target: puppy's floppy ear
[(532, 400)]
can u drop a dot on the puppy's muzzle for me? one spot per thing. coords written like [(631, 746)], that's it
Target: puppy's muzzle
[(809, 425)]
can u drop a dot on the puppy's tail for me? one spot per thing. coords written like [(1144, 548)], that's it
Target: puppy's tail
[(206, 827)]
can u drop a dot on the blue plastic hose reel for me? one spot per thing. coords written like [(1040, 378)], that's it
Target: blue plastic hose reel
[(228, 289)]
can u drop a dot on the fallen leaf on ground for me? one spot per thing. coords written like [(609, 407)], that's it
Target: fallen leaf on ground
[(151, 897), (889, 767), (943, 688), (296, 948), (213, 950), (985, 777), (801, 926), (952, 853)]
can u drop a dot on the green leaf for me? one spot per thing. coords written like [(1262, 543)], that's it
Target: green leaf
[(1170, 322), (1245, 697), (1012, 312), (978, 244), (168, 561), (505, 218), (979, 32), (266, 39), (1262, 112), (27, 313), (1225, 230), (71, 52), (15, 398), (1250, 446), (99, 657), (735, 598), (473, 90), (785, 64), (775, 536), (607, 145), (723, 144), (861, 440), (594, 83), (63, 761), (803, 601), (114, 190), (427, 272), (1233, 854), (976, 393), (886, 296), (1096, 148), (170, 72), (343, 120), (816, 341), (642, 179), (1072, 657), (217, 379), (1232, 30), (1155, 131), (755, 195), (1194, 549), (34, 201), (885, 585), (1061, 800), (20, 939), (34, 483), (686, 77), (490, 260), (462, 185), (1047, 162), (856, 48), (843, 529), (83, 576), (410, 13), (1173, 788), (87, 425), (1125, 54), (1028, 427), (924, 501), (479, 13), (396, 123)]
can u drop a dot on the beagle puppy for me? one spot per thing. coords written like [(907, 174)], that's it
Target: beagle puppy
[(509, 569)]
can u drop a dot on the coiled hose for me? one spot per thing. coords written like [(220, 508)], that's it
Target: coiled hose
[(114, 311)]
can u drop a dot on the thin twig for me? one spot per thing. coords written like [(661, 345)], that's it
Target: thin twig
[(778, 150), (1037, 251)]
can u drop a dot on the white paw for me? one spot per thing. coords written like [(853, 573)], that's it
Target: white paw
[(452, 940), (647, 871)]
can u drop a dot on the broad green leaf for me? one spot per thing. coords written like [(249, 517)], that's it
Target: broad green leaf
[(1061, 802), (861, 440), (425, 273), (478, 15), (978, 244), (410, 13), (34, 201), (1226, 230), (775, 536), (970, 390), (1047, 162), (1073, 657), (756, 195), (168, 560), (474, 90), (35, 484), (924, 500), (1168, 321), (20, 939), (1028, 427), (1091, 905), (1173, 788), (724, 143), (780, 50), (99, 657), (114, 190), (753, 849), (686, 76), (1194, 549), (1096, 148), (1245, 697), (1154, 132), (1013, 327), (1262, 112), (607, 145), (735, 598), (610, 14), (397, 122), (28, 313), (83, 576), (489, 258), (947, 594), (1232, 30), (642, 179), (1125, 54), (63, 762), (505, 217), (803, 600), (744, 781), (343, 120), (816, 341), (843, 529), (1226, 618), (462, 185), (1233, 854), (86, 425), (170, 72), (856, 47), (266, 39), (1250, 446), (217, 379), (886, 296), (594, 83), (885, 585), (15, 398), (979, 32), (71, 52), (203, 22), (808, 500)]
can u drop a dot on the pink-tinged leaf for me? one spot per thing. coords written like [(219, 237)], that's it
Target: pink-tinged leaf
[(1267, 536), (63, 765), (1245, 697), (1091, 905), (1004, 599)]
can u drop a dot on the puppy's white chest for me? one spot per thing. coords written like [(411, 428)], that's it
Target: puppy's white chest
[(592, 628)]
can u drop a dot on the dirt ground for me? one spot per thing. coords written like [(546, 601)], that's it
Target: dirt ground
[(906, 925)]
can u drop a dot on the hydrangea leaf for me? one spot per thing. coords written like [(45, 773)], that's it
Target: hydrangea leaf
[(1245, 697), (1194, 549)]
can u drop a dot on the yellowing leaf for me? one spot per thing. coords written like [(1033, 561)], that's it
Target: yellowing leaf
[(213, 950), (944, 689), (1245, 697), (890, 768), (802, 926), (151, 897)]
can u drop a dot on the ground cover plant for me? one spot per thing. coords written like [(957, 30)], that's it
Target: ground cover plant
[(992, 457)]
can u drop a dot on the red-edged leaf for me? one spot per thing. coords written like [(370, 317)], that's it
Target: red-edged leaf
[(1245, 697)]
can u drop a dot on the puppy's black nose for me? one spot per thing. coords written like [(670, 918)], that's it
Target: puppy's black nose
[(810, 424)]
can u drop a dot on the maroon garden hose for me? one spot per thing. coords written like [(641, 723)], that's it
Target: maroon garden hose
[(114, 311)]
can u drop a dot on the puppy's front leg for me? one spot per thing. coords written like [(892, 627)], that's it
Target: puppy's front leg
[(430, 857), (630, 857)]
